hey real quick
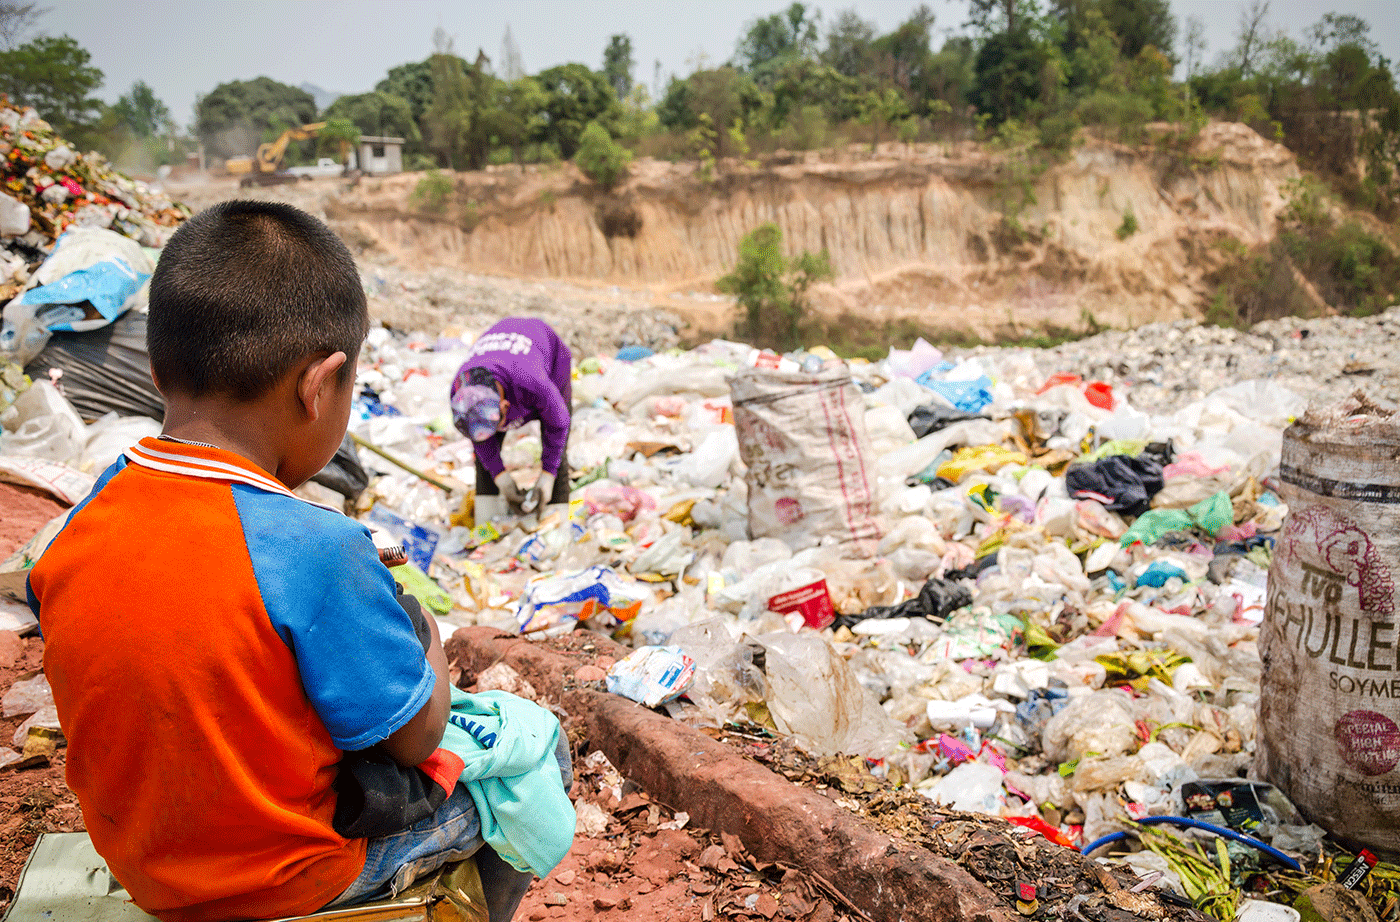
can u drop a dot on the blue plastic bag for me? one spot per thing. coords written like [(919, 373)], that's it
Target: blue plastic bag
[(968, 396)]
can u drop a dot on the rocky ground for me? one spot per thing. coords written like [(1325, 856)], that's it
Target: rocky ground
[(1163, 366)]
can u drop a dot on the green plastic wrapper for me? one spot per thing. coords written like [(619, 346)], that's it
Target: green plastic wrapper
[(1210, 515), (421, 586)]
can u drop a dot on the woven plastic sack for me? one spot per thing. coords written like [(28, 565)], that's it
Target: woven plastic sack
[(1329, 707), (811, 471)]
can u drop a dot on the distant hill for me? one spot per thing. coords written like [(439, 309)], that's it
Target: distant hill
[(323, 97)]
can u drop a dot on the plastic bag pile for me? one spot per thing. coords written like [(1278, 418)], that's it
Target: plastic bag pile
[(49, 186), (1060, 623)]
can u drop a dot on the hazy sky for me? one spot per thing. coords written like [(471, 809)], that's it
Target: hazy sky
[(186, 47)]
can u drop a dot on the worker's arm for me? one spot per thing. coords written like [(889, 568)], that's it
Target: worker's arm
[(416, 740), (554, 425)]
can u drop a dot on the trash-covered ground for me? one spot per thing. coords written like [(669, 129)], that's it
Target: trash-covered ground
[(1021, 583), (1107, 656)]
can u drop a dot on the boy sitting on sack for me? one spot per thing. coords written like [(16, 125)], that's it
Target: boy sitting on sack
[(255, 720)]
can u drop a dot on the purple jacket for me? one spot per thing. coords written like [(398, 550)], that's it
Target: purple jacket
[(532, 365)]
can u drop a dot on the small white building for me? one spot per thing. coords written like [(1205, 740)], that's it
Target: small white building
[(380, 155)]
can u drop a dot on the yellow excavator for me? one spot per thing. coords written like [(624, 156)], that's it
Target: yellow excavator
[(266, 168)]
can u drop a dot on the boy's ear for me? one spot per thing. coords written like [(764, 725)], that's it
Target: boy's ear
[(314, 377)]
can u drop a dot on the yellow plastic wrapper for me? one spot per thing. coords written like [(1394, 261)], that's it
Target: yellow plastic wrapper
[(982, 458)]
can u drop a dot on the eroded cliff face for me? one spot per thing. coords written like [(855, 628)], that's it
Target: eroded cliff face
[(918, 233)]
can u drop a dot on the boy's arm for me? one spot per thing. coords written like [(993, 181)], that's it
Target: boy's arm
[(417, 739)]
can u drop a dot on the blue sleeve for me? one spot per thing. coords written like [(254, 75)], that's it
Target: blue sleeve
[(334, 605)]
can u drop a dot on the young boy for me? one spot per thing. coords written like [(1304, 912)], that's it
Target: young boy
[(214, 643)]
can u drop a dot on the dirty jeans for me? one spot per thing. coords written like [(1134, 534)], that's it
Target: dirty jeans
[(452, 833)]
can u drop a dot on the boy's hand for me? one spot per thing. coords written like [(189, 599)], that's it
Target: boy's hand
[(506, 484)]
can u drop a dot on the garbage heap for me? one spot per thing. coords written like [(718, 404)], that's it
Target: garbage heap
[(49, 186), (1043, 603), (1056, 621)]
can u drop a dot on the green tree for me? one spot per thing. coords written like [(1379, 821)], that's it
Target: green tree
[(378, 114), (460, 125), (53, 75), (233, 118), (413, 83), (723, 96), (519, 114), (573, 97), (771, 288), (773, 40), (601, 159), (989, 17), (1140, 24), (1009, 74), (880, 109), (617, 65), (849, 45), (339, 137), (903, 55), (142, 113)]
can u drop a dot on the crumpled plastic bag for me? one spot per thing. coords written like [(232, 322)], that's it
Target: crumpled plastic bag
[(725, 673), (1211, 515), (27, 696), (561, 598), (815, 696), (89, 267), (45, 425), (1101, 722), (968, 396), (936, 601), (931, 418)]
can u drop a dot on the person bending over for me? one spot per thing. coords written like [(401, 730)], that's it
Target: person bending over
[(517, 371)]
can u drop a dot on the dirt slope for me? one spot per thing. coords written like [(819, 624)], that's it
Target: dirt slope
[(913, 231)]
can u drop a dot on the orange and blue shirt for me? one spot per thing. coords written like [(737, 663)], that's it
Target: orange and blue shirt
[(214, 643)]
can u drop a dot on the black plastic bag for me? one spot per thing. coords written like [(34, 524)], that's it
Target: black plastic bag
[(924, 420), (936, 601), (108, 370)]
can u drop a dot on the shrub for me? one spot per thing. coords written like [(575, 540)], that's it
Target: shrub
[(432, 191), (771, 288), (1123, 113), (1129, 225), (601, 159)]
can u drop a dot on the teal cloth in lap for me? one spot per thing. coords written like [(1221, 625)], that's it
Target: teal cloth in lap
[(511, 773)]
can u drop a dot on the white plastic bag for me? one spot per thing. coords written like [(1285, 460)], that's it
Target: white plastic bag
[(14, 217), (814, 696), (27, 696), (708, 465), (45, 426), (110, 436)]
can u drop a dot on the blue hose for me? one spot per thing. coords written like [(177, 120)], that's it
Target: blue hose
[(1252, 842)]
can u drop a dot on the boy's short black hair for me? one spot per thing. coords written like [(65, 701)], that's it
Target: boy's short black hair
[(243, 291)]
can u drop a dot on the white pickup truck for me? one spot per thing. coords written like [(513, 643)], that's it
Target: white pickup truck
[(325, 166)]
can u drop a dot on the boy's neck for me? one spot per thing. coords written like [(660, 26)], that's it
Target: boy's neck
[(243, 428)]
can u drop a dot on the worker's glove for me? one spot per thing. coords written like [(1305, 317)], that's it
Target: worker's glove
[(507, 485), (539, 494)]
